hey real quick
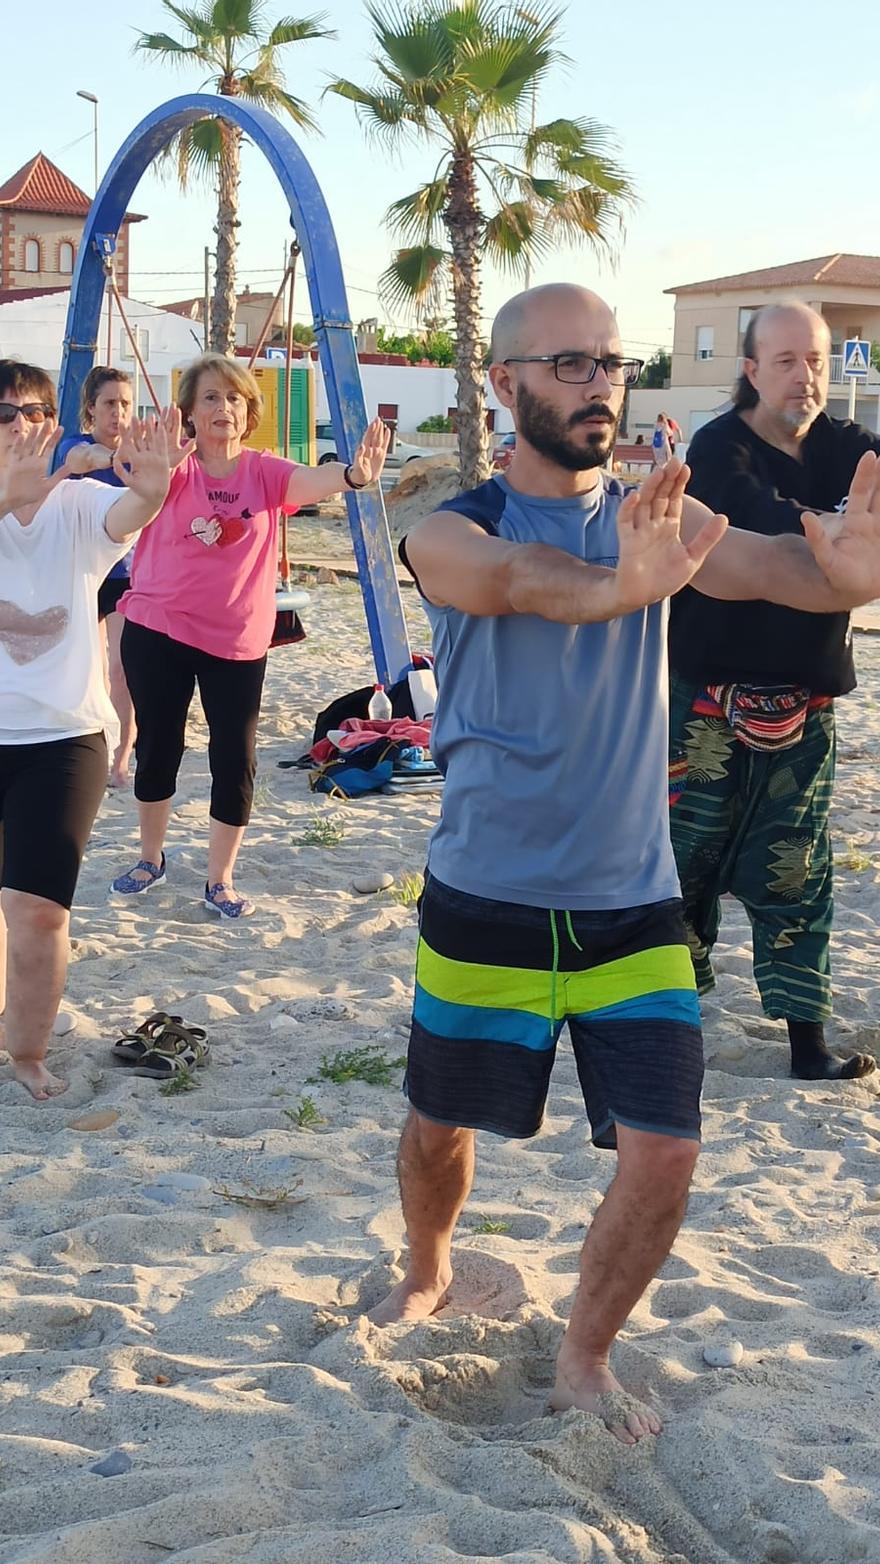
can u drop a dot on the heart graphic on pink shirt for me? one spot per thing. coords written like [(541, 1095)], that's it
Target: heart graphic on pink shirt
[(221, 530), (231, 529), (29, 636), (206, 531)]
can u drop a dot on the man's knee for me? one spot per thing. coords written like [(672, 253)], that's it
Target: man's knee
[(432, 1138), (661, 1165)]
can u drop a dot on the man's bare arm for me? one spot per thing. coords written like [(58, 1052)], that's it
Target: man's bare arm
[(460, 566), (834, 568)]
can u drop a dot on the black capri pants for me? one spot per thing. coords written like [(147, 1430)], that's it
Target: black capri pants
[(49, 796), (162, 675)]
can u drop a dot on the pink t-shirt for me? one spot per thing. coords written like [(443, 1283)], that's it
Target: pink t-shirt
[(205, 571)]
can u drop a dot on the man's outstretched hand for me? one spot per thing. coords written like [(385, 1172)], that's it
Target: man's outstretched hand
[(654, 561), (847, 547)]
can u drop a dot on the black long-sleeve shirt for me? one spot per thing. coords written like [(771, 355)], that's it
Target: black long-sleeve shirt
[(761, 489)]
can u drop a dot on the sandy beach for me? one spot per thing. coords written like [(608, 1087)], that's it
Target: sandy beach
[(183, 1290)]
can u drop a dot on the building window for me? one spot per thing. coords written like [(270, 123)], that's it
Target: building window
[(705, 342), (65, 256), (746, 314), (32, 255)]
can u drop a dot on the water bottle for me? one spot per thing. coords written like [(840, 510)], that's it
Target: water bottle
[(379, 709)]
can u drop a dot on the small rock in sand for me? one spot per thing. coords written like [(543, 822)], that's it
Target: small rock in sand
[(175, 1180), (95, 1121), (723, 1354), (113, 1465), (369, 884)]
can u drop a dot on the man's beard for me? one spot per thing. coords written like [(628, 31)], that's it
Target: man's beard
[(548, 432), (800, 422)]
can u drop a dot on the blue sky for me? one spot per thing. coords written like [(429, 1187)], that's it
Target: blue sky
[(750, 132)]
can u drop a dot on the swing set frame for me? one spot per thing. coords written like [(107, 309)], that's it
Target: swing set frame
[(316, 242)]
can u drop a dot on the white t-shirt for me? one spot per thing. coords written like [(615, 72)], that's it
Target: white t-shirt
[(51, 665)]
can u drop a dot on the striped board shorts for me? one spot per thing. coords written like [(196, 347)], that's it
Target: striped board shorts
[(496, 983)]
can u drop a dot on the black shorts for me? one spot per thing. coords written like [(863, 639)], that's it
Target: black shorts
[(109, 593), (496, 982), (49, 796)]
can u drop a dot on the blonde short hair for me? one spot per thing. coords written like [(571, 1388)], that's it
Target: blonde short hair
[(232, 373)]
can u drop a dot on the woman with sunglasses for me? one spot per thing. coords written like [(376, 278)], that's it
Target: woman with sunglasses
[(58, 540)]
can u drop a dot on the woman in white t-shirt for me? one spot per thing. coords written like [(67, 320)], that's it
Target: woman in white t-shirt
[(58, 540)]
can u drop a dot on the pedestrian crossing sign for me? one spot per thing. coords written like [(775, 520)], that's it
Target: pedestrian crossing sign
[(856, 358)]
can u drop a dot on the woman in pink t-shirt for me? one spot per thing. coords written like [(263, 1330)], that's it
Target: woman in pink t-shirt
[(201, 608)]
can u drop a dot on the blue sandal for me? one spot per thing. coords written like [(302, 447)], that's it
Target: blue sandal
[(127, 885), (217, 899)]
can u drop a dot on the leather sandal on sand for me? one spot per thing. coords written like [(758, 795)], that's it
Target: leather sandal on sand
[(132, 1046), (175, 1049)]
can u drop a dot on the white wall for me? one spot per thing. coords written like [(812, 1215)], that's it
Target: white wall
[(419, 391), (33, 330), (690, 406)]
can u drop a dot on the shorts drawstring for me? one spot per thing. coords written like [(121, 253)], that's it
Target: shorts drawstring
[(554, 974), (571, 933)]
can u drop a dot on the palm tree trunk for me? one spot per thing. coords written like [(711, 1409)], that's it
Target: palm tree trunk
[(465, 224), (224, 302)]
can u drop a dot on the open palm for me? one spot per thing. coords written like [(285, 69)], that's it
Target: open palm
[(142, 460), (25, 477), (369, 458), (654, 562), (847, 548)]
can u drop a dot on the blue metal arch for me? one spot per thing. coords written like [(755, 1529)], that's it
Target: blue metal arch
[(333, 327)]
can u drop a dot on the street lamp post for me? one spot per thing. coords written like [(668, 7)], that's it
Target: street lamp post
[(90, 98)]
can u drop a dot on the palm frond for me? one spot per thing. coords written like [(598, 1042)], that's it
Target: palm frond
[(411, 39), (268, 93), (293, 30), (415, 277), (418, 216), (199, 23), (199, 148), (384, 112), (168, 48), (238, 18)]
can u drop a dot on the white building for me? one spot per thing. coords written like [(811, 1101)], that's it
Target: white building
[(32, 329)]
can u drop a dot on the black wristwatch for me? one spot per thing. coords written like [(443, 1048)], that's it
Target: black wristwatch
[(349, 481)]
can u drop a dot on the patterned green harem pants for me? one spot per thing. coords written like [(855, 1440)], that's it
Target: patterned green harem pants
[(756, 824)]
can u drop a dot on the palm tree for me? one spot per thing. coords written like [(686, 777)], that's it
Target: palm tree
[(462, 75), (232, 39)]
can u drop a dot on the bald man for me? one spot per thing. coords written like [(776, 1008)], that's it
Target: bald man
[(753, 691), (551, 895)]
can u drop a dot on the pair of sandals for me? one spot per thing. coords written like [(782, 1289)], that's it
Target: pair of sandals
[(162, 1047)]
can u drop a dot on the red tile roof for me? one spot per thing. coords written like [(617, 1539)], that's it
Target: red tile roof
[(841, 271), (40, 186)]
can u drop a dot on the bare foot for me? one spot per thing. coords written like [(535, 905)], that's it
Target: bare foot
[(593, 1388), (40, 1082), (410, 1301)]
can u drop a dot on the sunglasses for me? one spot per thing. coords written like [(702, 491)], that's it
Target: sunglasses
[(31, 412)]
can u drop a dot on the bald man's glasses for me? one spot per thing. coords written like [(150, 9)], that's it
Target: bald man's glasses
[(578, 369)]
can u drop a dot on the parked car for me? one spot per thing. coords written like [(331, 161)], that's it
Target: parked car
[(325, 448), (503, 451)]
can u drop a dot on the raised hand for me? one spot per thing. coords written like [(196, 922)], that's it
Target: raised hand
[(654, 562), (142, 460), (179, 445), (847, 547), (369, 458), (25, 477), (83, 459)]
